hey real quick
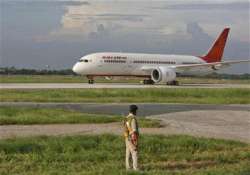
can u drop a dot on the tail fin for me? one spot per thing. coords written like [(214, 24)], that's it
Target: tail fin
[(215, 53)]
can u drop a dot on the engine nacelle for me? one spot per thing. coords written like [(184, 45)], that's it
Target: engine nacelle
[(163, 75)]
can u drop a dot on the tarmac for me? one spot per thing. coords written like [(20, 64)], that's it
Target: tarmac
[(145, 109), (232, 125), (111, 85), (202, 120)]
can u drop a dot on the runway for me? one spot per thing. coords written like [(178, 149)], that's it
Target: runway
[(111, 86)]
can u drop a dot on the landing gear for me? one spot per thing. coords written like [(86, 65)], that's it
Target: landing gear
[(148, 81), (173, 83), (91, 81)]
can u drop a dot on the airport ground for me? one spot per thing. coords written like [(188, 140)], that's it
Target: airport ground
[(60, 131), (224, 122), (104, 154), (116, 86), (152, 95), (81, 79), (45, 138)]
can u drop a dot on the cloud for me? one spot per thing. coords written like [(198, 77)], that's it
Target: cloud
[(127, 17), (121, 17), (141, 27), (100, 32), (76, 3), (81, 21), (208, 6), (197, 32)]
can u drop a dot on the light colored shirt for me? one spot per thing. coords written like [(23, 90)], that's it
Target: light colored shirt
[(131, 124)]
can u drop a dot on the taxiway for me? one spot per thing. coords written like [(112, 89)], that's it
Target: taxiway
[(111, 86)]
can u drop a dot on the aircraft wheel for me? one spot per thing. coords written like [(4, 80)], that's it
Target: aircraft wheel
[(148, 81), (91, 81), (173, 83)]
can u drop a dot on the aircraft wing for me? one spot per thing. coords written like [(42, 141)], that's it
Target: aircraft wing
[(186, 67), (214, 65), (148, 69)]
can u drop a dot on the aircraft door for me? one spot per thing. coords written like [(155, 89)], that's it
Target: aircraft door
[(129, 66)]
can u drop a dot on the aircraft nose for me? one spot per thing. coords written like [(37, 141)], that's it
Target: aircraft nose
[(76, 69)]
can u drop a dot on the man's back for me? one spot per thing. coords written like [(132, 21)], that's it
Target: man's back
[(131, 133)]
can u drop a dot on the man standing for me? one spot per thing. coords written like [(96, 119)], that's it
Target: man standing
[(131, 134)]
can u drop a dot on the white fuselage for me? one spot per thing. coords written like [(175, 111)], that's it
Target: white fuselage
[(131, 64)]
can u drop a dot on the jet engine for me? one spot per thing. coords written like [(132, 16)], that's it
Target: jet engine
[(163, 75)]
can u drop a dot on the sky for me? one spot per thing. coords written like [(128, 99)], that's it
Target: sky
[(36, 33)]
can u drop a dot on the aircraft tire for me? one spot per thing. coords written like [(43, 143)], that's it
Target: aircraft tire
[(173, 83), (148, 81), (91, 81)]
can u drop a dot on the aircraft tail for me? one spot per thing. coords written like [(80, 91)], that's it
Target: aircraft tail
[(215, 53)]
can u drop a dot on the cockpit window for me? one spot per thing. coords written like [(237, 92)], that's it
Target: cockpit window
[(84, 61)]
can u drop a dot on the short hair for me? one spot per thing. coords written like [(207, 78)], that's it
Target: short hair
[(133, 108)]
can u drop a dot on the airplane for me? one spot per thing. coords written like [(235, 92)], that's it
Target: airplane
[(155, 68)]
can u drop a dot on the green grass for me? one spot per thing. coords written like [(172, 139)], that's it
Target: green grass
[(197, 80), (81, 79), (162, 95), (104, 154), (26, 116), (59, 79), (40, 79)]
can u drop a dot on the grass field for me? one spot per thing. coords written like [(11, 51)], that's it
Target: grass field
[(195, 96), (26, 116), (104, 154), (57, 79), (81, 79)]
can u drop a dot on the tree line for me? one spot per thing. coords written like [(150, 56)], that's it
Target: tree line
[(16, 71)]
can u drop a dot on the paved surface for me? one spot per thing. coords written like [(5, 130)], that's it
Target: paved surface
[(122, 109), (233, 125), (110, 85), (12, 131), (216, 121)]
